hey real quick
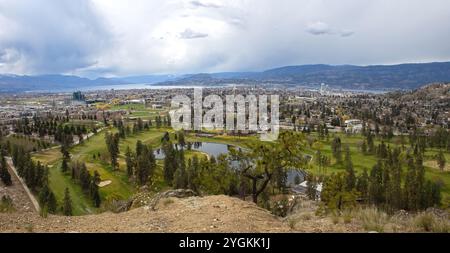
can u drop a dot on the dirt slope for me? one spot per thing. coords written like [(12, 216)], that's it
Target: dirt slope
[(193, 214)]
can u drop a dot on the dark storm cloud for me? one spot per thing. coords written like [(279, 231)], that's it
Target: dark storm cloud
[(50, 36)]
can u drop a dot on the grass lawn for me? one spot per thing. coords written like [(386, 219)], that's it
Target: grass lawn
[(243, 141), (361, 161), (120, 185), (150, 137), (59, 181), (140, 111)]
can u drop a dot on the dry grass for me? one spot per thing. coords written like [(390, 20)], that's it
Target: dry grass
[(292, 223), (306, 216), (335, 219), (168, 201), (6, 205), (429, 222), (29, 228), (372, 219)]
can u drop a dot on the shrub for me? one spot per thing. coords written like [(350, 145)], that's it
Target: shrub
[(281, 207), (425, 221), (168, 202), (347, 216), (429, 222), (114, 203), (442, 227), (292, 223), (6, 204), (373, 220), (306, 216), (335, 219)]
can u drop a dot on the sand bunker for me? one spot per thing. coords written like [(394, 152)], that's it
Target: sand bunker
[(104, 183)]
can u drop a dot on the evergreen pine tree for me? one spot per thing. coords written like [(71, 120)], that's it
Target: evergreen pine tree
[(337, 149), (64, 165), (350, 177), (370, 143), (51, 202), (441, 160), (67, 203), (170, 162), (420, 183), (311, 185), (129, 162), (364, 147), (410, 186), (181, 139), (192, 174), (375, 184), (362, 185), (396, 180), (5, 176), (94, 190)]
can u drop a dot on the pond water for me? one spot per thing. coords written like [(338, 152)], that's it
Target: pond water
[(216, 149), (210, 148)]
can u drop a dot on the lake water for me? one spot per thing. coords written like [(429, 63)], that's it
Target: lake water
[(140, 86), (137, 86)]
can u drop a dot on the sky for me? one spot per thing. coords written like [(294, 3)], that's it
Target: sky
[(106, 38)]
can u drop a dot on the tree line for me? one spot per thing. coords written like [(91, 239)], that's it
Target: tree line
[(35, 176), (57, 127), (140, 164), (387, 185), (89, 183)]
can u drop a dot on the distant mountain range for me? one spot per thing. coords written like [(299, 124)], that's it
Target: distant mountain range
[(16, 83), (403, 76)]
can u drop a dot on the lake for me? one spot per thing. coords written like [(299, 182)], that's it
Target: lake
[(137, 86)]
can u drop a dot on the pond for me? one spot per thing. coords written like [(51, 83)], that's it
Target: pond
[(216, 149), (210, 148)]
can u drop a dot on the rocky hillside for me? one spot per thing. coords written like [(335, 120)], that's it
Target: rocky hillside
[(168, 212), (193, 214), (436, 92)]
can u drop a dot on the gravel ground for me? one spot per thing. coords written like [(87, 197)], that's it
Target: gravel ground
[(193, 214)]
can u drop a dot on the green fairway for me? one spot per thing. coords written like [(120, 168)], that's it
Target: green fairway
[(84, 152), (150, 137), (59, 181), (140, 111), (122, 188), (243, 141), (361, 161)]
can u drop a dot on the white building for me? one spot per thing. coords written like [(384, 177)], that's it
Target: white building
[(353, 126)]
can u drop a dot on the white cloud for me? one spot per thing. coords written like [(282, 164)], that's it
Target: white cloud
[(346, 33), (318, 28), (189, 34), (115, 37), (321, 28), (205, 4)]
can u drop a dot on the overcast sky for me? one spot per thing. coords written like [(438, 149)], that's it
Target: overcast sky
[(117, 38)]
